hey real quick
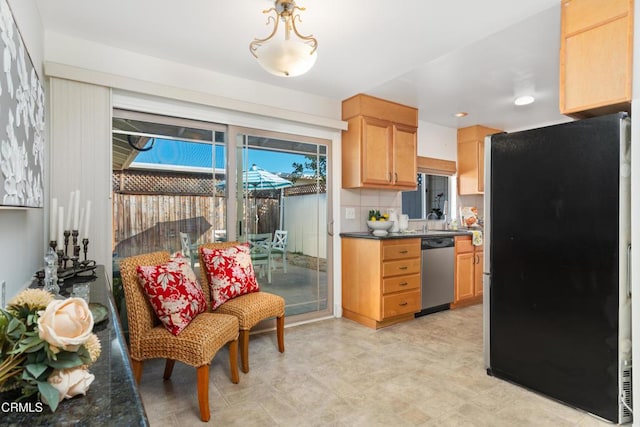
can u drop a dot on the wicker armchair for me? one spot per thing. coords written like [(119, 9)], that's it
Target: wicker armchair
[(196, 345), (250, 308)]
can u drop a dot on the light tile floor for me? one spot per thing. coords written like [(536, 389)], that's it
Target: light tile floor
[(427, 372)]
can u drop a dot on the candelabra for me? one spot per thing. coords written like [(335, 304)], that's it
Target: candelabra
[(67, 257), (51, 271)]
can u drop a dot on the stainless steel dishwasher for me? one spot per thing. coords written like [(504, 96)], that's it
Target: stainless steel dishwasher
[(437, 274)]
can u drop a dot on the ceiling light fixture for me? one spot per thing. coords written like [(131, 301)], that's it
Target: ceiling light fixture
[(461, 114), (286, 53), (524, 100)]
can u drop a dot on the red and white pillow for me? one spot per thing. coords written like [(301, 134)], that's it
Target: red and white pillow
[(230, 273), (173, 291)]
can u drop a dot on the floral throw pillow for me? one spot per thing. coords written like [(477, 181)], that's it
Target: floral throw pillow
[(230, 273), (174, 293)]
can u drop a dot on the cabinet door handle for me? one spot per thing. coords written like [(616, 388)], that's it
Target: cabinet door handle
[(404, 267), (403, 283), (403, 303), (390, 177), (478, 258), (404, 252), (396, 175)]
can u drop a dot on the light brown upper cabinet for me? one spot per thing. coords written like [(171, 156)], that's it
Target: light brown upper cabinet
[(471, 158), (596, 57), (380, 147)]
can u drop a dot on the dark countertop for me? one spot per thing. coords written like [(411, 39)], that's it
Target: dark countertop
[(112, 398), (418, 234)]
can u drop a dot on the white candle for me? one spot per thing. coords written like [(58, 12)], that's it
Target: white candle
[(86, 220), (68, 223), (60, 227), (76, 210), (53, 211), (81, 220)]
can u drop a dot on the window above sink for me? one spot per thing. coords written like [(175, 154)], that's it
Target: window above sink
[(431, 197)]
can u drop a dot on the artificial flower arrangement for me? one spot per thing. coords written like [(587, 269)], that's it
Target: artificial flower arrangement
[(46, 346)]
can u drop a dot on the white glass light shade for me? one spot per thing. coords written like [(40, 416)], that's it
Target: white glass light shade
[(288, 58), (524, 100)]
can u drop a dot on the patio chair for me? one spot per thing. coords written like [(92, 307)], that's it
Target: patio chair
[(260, 248), (250, 309), (279, 248), (196, 345), (189, 250)]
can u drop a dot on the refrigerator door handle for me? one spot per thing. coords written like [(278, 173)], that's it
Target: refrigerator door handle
[(629, 270)]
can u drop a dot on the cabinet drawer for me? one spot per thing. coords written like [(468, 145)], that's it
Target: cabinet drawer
[(400, 283), (401, 267), (400, 251), (402, 303), (463, 244)]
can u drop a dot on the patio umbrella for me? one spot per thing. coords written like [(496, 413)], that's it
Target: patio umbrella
[(257, 178)]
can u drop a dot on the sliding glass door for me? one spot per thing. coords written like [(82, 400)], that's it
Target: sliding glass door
[(164, 183), (210, 182), (282, 199)]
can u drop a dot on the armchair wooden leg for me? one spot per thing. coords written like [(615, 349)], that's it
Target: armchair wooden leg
[(280, 333), (203, 392), (233, 361), (244, 350), (168, 368), (136, 366)]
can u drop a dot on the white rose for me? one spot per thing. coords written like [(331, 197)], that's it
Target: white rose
[(70, 382), (66, 324)]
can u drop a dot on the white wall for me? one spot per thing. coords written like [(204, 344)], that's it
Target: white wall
[(22, 235), (307, 228), (437, 141)]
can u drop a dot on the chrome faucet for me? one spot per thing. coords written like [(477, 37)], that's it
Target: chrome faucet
[(426, 225)]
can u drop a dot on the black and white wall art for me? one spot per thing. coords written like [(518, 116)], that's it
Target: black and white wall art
[(21, 120)]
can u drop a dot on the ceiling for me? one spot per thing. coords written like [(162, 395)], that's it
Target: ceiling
[(440, 56)]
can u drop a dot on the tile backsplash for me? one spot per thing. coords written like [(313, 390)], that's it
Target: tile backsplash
[(362, 201)]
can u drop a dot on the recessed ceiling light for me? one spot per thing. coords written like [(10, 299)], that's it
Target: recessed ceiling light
[(461, 114), (524, 100)]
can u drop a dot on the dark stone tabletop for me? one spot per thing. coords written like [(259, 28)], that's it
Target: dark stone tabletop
[(113, 398)]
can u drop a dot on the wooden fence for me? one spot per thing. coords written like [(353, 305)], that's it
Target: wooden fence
[(151, 208), (151, 222)]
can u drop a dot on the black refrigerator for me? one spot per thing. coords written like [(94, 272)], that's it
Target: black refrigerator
[(556, 273)]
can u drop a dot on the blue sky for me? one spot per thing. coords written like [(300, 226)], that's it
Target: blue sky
[(181, 153)]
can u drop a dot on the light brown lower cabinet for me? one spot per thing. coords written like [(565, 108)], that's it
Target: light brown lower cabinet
[(380, 280), (468, 272)]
